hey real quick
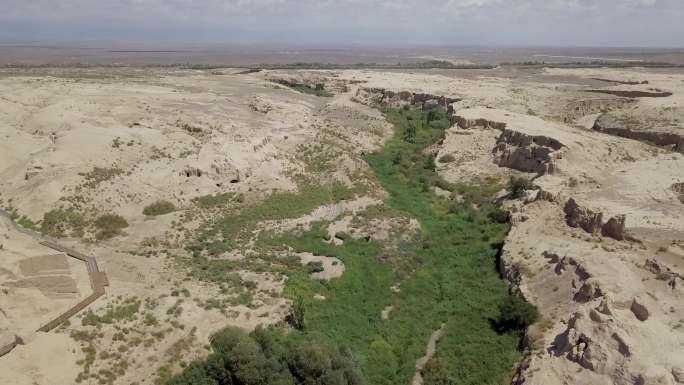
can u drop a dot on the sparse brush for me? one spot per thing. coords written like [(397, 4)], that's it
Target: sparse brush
[(160, 207)]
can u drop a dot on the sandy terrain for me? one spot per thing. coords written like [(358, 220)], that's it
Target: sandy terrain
[(83, 143)]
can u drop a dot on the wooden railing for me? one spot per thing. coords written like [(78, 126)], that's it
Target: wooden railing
[(98, 279)]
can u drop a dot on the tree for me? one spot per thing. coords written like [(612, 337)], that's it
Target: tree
[(518, 185), (516, 314), (410, 133)]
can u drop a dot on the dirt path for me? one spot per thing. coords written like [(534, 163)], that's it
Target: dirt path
[(429, 352)]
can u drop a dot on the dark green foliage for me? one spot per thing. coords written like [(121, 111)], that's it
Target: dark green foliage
[(516, 314), (518, 185), (436, 372), (317, 90), (416, 129), (109, 226), (297, 317), (315, 267), (268, 357), (447, 158), (63, 222), (159, 208), (26, 223)]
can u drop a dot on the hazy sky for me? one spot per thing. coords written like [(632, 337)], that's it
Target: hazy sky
[(367, 22)]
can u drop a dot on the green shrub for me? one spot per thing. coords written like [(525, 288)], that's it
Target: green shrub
[(160, 207), (109, 226), (516, 314), (270, 357), (518, 186), (60, 223), (436, 372), (26, 223), (297, 317), (315, 266), (447, 158), (317, 90)]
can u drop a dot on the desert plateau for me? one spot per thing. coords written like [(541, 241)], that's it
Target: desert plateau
[(510, 224)]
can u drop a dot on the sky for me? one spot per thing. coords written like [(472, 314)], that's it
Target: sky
[(615, 23)]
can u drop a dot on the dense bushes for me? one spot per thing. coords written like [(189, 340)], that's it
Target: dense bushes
[(109, 226), (62, 223), (516, 314), (518, 186), (270, 357), (159, 208)]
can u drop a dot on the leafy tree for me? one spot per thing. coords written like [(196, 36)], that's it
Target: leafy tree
[(516, 314), (435, 372), (518, 185), (268, 356), (410, 133)]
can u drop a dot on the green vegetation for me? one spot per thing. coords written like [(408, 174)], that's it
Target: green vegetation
[(216, 200), (109, 226), (516, 314), (26, 223), (270, 357), (447, 158), (160, 207), (317, 89), (447, 275), (99, 175), (518, 186), (279, 205), (61, 223), (126, 311)]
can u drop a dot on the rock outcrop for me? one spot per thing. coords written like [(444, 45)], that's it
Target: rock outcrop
[(526, 153), (592, 222), (615, 228), (576, 216), (639, 309), (380, 97), (678, 189), (609, 125), (466, 123), (633, 94)]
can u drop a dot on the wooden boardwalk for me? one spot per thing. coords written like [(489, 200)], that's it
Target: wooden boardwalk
[(98, 279)]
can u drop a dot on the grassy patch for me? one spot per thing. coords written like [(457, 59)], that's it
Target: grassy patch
[(233, 230), (215, 200)]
